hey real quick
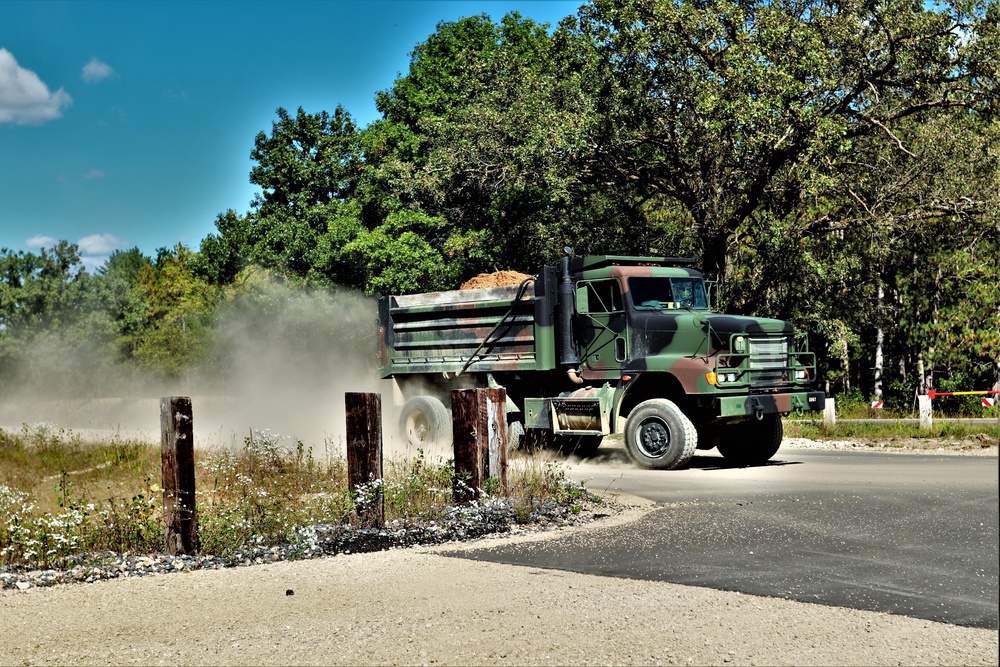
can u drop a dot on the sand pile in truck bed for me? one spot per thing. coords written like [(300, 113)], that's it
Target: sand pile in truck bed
[(497, 279)]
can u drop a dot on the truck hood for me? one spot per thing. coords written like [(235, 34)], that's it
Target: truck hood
[(657, 333)]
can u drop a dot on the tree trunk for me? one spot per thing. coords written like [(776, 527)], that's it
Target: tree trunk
[(922, 383), (714, 244)]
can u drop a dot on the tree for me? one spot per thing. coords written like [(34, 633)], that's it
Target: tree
[(43, 290), (481, 135), (307, 169), (732, 108), (177, 310), (222, 256), (54, 335)]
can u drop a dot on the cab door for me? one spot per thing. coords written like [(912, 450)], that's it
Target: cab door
[(602, 330)]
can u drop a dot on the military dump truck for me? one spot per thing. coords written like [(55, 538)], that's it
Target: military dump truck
[(598, 345)]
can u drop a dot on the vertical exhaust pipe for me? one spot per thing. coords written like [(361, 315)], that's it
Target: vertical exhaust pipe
[(568, 355)]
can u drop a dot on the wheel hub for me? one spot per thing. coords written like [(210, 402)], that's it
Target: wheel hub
[(418, 426), (654, 438)]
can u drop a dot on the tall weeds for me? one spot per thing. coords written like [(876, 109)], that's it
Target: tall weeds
[(271, 491)]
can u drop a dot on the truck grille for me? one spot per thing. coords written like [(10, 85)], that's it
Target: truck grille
[(768, 359)]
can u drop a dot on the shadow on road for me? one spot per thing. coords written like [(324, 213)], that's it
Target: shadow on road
[(717, 463), (616, 456)]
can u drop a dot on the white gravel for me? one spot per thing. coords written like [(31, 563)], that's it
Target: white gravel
[(416, 606)]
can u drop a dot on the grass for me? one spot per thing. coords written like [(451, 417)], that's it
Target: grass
[(63, 497), (890, 429), (887, 425)]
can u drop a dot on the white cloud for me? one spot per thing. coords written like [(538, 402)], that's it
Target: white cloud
[(99, 244), (96, 249), (24, 98), (94, 175), (96, 70), (36, 242)]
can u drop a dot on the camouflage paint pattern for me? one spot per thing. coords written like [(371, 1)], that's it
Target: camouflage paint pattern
[(478, 330)]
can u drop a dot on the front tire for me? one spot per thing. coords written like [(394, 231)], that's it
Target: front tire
[(425, 422), (659, 436), (752, 442)]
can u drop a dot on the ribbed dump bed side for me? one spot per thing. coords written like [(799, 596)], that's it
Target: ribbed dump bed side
[(441, 331)]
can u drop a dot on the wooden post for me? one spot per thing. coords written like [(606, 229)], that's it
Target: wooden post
[(364, 453), (180, 519), (480, 440)]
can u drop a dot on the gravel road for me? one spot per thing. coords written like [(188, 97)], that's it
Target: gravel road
[(417, 606)]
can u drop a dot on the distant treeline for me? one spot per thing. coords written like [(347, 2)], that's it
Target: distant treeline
[(834, 164)]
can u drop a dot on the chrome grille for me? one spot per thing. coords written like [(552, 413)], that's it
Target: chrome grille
[(768, 359)]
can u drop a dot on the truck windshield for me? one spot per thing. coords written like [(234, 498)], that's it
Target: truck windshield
[(649, 293)]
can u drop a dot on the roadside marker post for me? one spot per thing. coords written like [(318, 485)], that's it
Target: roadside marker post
[(180, 519), (479, 434), (924, 406), (364, 453), (830, 413)]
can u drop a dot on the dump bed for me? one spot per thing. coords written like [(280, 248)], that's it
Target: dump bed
[(476, 330)]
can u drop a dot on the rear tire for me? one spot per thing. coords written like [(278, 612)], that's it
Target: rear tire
[(659, 436), (515, 436), (425, 422), (752, 442)]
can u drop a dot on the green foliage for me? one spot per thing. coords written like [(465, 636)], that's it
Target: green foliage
[(398, 258), (49, 313), (177, 308), (892, 434), (416, 488), (734, 108), (307, 169), (265, 492)]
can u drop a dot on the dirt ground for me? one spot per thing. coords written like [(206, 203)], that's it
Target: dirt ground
[(418, 606)]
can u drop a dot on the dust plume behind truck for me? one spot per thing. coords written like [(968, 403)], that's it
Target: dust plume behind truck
[(598, 345)]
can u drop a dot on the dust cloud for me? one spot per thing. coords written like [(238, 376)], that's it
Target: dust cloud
[(281, 360)]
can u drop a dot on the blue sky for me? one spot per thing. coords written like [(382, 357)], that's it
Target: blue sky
[(131, 123)]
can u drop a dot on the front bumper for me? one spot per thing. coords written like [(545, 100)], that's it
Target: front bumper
[(763, 404)]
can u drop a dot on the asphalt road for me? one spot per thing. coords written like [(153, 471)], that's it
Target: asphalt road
[(914, 535)]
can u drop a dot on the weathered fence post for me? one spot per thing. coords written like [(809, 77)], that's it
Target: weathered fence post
[(924, 407), (364, 453), (480, 440), (180, 519)]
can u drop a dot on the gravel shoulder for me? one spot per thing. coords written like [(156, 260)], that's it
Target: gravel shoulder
[(417, 606)]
